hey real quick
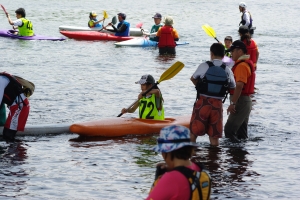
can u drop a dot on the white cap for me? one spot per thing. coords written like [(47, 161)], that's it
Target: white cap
[(243, 5)]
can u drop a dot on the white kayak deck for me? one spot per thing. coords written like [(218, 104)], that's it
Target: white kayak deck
[(43, 129)]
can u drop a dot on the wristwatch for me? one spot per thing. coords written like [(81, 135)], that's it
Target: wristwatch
[(231, 103)]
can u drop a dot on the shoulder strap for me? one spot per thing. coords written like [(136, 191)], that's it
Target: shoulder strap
[(223, 66), (210, 64)]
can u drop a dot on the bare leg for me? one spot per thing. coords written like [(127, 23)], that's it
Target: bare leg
[(193, 137), (214, 141)]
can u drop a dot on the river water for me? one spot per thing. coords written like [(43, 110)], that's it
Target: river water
[(81, 81)]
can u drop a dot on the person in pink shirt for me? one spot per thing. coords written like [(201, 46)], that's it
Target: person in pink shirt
[(178, 178)]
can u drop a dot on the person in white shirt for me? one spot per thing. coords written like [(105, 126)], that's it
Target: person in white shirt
[(246, 18)]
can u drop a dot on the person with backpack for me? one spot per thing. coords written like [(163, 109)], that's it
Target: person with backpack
[(24, 25), (12, 95), (212, 79), (178, 178), (240, 100)]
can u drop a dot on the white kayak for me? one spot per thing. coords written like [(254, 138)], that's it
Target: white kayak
[(142, 42), (133, 31), (43, 129)]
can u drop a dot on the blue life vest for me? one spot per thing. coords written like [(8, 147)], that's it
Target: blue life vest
[(126, 32), (215, 81)]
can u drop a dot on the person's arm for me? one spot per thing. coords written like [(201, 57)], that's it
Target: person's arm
[(175, 35), (235, 97), (132, 109), (9, 20), (247, 18), (122, 28), (195, 81), (97, 22)]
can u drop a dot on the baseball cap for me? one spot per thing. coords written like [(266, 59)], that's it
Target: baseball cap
[(172, 138), (243, 29), (123, 15), (237, 44), (157, 16), (93, 13), (243, 5), (147, 78)]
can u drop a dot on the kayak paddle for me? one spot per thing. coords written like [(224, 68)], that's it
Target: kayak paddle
[(4, 10), (209, 31), (105, 16), (113, 21), (168, 74)]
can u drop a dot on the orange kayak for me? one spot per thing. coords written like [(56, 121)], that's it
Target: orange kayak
[(114, 127)]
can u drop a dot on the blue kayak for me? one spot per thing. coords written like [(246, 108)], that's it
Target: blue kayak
[(10, 34), (142, 42)]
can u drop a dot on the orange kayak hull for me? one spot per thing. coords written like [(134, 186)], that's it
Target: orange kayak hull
[(114, 127)]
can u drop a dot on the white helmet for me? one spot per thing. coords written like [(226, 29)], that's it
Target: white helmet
[(243, 5)]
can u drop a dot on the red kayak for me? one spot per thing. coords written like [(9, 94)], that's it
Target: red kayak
[(93, 35)]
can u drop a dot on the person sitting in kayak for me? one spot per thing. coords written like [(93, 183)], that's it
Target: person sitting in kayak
[(166, 37), (157, 20), (227, 44), (123, 27), (179, 177), (93, 22), (24, 25), (151, 104)]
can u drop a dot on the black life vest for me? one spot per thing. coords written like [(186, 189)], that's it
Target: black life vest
[(243, 22), (215, 81)]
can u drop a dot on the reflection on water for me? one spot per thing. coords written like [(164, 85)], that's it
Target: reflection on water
[(229, 168), (13, 177)]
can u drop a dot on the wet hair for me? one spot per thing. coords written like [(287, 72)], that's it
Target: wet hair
[(247, 37), (21, 11), (217, 49), (183, 153)]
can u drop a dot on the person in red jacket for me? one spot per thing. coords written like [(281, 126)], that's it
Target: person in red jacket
[(251, 45), (166, 37)]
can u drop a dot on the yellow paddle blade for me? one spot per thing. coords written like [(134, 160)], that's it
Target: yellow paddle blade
[(171, 72), (209, 30), (105, 15)]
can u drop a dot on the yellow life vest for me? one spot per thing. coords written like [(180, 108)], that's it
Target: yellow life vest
[(26, 29), (148, 109), (200, 182)]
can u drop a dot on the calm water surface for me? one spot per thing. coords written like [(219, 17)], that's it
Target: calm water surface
[(81, 81)]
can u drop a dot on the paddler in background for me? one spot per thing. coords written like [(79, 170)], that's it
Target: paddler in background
[(94, 22), (150, 105), (166, 37), (157, 24), (246, 18), (123, 27), (227, 44), (24, 25)]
